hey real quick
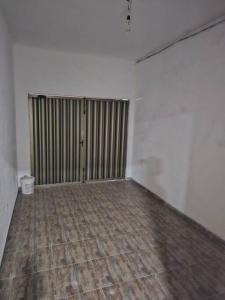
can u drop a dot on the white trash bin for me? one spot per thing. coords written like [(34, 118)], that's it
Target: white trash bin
[(27, 184)]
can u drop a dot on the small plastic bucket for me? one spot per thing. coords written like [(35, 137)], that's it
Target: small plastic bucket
[(27, 184)]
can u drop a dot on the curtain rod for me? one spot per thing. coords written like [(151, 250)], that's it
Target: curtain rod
[(183, 37), (75, 97)]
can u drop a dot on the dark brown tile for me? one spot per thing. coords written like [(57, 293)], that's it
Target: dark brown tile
[(22, 288), (172, 288), (158, 259), (43, 285), (25, 242), (5, 289), (217, 297), (152, 288), (7, 265), (205, 282), (17, 264)]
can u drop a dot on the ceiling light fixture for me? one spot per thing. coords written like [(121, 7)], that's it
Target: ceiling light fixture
[(128, 15)]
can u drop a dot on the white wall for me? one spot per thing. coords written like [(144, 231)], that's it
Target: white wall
[(64, 73), (8, 180), (179, 138)]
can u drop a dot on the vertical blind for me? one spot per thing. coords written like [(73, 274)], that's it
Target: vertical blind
[(106, 138), (77, 139)]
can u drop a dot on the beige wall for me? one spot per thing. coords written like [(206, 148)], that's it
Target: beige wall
[(179, 138)]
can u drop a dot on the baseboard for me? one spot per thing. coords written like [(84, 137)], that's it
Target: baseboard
[(2, 254), (214, 237), (78, 182)]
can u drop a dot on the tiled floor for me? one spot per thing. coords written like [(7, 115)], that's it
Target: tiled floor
[(107, 241)]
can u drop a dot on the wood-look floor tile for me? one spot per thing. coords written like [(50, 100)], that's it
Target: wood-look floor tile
[(98, 229), (133, 290), (78, 252), (78, 217), (7, 265), (120, 268), (72, 234), (42, 238), (172, 288), (205, 281), (57, 236), (215, 268), (5, 289), (10, 244), (22, 288), (43, 285), (25, 242), (43, 259), (103, 274), (84, 232), (65, 282), (217, 297), (24, 263), (159, 259), (107, 245), (68, 241), (95, 295), (62, 255), (122, 244), (139, 241), (113, 293), (92, 249), (139, 265), (86, 277), (152, 289), (17, 264)]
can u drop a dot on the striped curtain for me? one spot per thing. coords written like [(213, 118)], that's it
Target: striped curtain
[(77, 139)]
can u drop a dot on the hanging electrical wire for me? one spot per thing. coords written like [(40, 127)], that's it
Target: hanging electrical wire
[(128, 15)]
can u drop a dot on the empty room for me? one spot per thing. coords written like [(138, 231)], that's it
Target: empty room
[(112, 150)]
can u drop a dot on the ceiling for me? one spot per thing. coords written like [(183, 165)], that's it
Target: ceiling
[(98, 26)]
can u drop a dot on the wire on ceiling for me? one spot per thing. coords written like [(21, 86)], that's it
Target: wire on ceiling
[(185, 36)]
